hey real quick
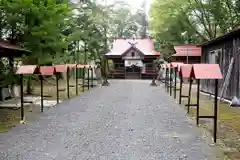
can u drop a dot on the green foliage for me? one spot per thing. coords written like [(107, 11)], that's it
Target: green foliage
[(199, 20), (59, 31), (37, 25)]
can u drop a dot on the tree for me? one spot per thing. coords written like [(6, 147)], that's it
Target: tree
[(202, 20), (36, 25)]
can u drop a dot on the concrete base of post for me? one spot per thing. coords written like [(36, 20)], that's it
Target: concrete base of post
[(105, 82), (153, 83)]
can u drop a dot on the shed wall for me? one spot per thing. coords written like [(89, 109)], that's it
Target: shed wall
[(221, 53)]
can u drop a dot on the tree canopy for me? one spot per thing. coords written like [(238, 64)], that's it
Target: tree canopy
[(191, 21), (64, 31)]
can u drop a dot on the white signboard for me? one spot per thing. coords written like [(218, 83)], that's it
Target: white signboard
[(129, 63)]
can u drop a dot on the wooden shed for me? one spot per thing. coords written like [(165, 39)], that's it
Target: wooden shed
[(8, 50), (221, 50), (186, 53)]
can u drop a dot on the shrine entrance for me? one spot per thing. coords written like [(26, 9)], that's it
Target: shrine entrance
[(133, 72), (133, 69)]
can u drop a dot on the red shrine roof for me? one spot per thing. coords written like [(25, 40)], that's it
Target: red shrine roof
[(188, 49), (121, 46)]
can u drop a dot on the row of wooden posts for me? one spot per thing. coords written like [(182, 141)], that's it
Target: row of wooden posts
[(193, 72), (43, 71)]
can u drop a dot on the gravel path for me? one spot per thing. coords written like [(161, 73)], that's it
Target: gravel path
[(128, 120)]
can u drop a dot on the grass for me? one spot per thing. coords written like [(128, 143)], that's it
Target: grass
[(228, 122), (11, 117)]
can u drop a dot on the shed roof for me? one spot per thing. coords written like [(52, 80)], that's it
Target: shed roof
[(7, 46), (190, 50), (227, 35), (120, 46)]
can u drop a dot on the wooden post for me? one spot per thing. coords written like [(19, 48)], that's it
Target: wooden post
[(189, 94), (41, 78), (68, 94), (57, 88), (215, 111), (88, 82), (83, 79), (175, 84), (22, 102), (167, 80), (92, 77), (170, 78), (180, 91), (76, 81), (198, 96)]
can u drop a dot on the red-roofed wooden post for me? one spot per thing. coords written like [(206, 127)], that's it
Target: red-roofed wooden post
[(198, 97), (175, 66), (185, 72), (92, 76), (88, 76), (175, 82), (208, 71), (22, 108), (71, 66), (166, 79), (189, 94), (57, 88), (82, 68), (76, 80), (83, 79), (215, 110), (25, 70), (68, 94), (180, 90), (41, 80), (59, 69), (45, 71), (170, 78)]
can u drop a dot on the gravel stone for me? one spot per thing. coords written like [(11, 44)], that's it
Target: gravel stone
[(128, 120)]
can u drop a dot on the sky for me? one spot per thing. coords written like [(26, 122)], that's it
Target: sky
[(134, 4)]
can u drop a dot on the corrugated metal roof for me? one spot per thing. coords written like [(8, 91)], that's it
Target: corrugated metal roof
[(229, 34), (190, 50), (206, 71), (146, 46), (28, 69), (185, 70), (47, 70)]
